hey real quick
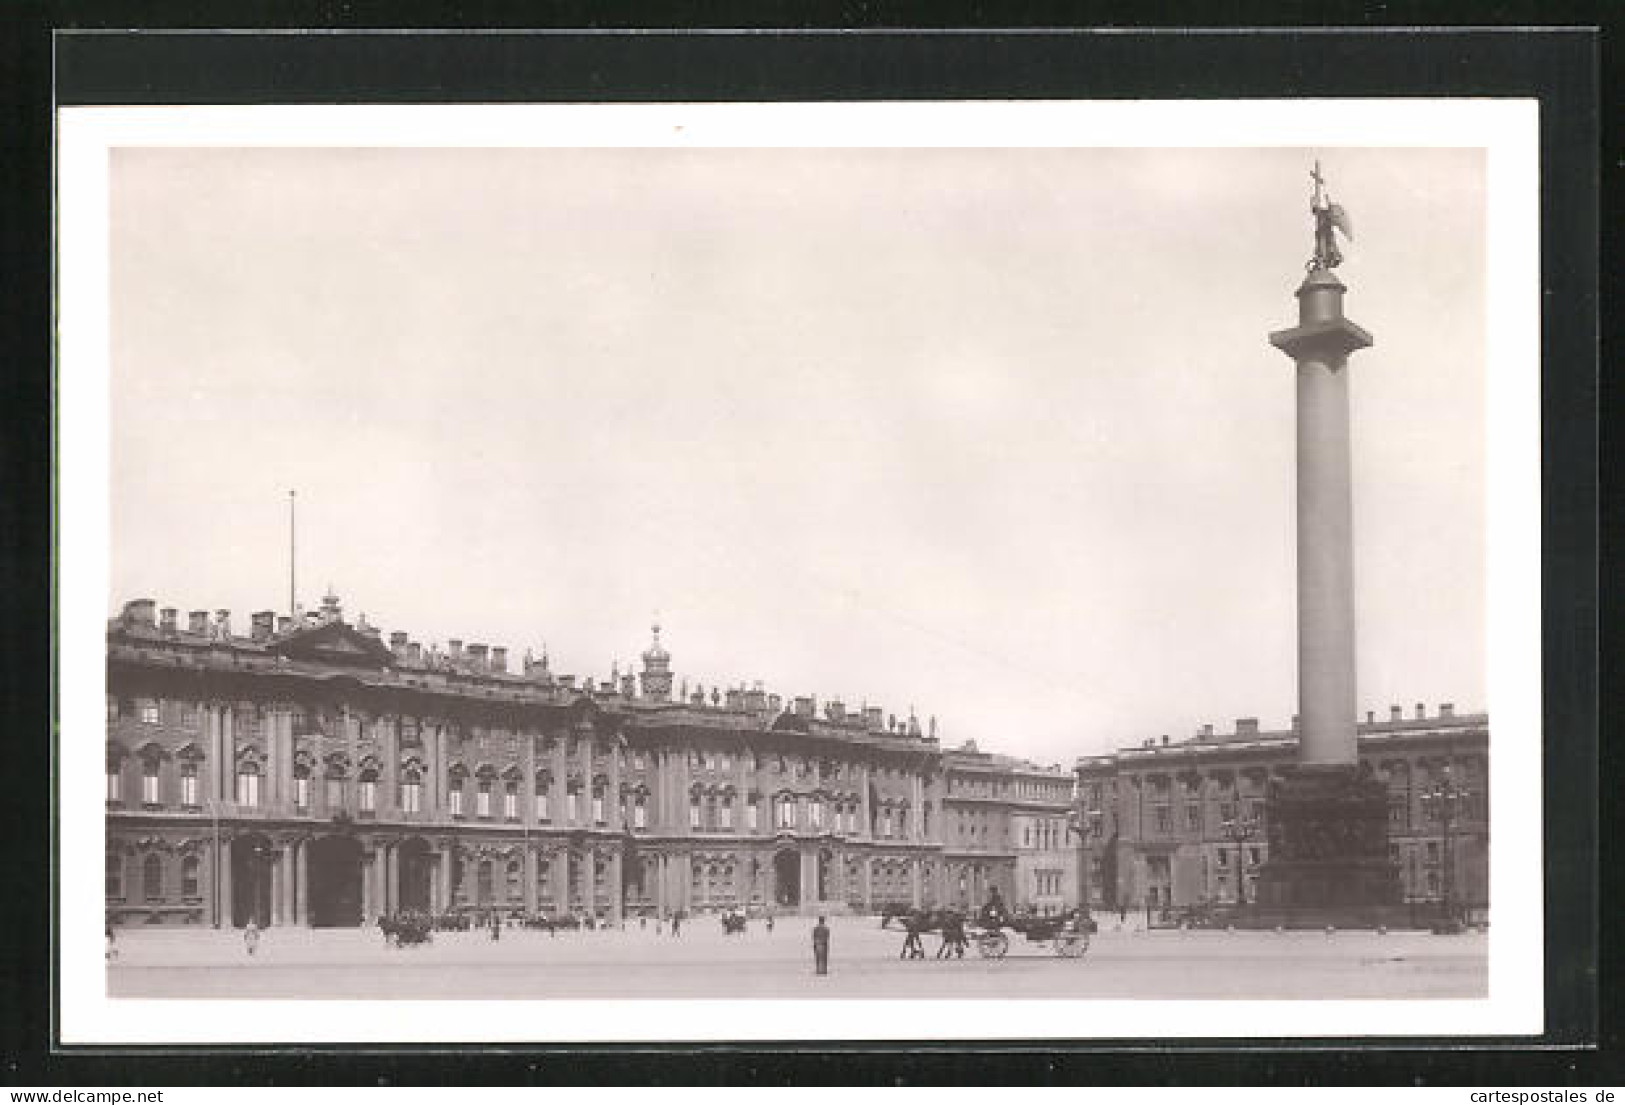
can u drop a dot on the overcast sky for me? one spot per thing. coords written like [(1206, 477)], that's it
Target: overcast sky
[(995, 433)]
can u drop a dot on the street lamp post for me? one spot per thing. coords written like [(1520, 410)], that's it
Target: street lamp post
[(1443, 802), (1238, 830), (1084, 823)]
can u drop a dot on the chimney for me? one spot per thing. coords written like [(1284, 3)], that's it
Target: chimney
[(568, 682), (1207, 730), (1421, 711), (874, 718), (629, 685), (283, 624), (197, 622), (139, 612), (1393, 714), (499, 658), (1370, 718), (736, 698), (166, 619), (476, 657), (1165, 738), (805, 706), (456, 647), (775, 704), (834, 711), (397, 644), (222, 624), (1247, 726), (264, 622), (414, 652), (1447, 709)]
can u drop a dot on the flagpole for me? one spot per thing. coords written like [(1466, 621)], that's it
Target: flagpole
[(293, 601)]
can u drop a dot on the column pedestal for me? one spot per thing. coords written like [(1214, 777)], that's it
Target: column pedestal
[(1328, 851)]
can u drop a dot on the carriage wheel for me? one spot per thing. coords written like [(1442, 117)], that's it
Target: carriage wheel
[(993, 945), (1071, 945)]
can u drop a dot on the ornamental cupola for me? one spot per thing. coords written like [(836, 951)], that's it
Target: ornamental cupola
[(656, 677)]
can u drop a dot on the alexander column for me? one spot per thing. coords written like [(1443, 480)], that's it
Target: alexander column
[(1327, 822)]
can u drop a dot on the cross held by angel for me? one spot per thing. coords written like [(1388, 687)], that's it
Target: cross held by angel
[(1329, 217)]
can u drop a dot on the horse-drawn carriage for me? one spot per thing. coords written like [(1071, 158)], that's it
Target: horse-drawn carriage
[(1067, 934)]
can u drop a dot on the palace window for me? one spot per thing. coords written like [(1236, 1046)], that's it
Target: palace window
[(640, 813), (1433, 851), (248, 785), (152, 878), (598, 807), (333, 792), (1253, 857), (115, 781), (112, 707), (510, 800), (454, 798), (728, 813), (694, 812), (482, 883), (368, 796), (572, 806), (1227, 811), (787, 813), (637, 761), (482, 799), (149, 711), (189, 877), (515, 883), (727, 762), (189, 793), (544, 810), (815, 814), (1193, 818), (149, 782), (412, 792), (115, 875), (1224, 857), (301, 788), (750, 816)]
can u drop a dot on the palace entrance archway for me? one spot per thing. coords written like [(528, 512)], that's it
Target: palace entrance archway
[(416, 870), (335, 882), (787, 878), (251, 857)]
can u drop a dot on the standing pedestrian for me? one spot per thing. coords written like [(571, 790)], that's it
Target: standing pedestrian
[(251, 936), (820, 938), (677, 923)]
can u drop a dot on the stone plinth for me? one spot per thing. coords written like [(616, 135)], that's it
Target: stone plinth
[(1328, 840)]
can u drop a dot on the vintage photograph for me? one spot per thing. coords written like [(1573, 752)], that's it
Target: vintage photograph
[(660, 571)]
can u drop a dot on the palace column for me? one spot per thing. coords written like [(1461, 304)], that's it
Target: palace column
[(915, 888), (561, 881), (531, 879), (277, 883), (228, 755), (865, 817), (388, 731), (443, 877), (612, 876), (301, 882), (392, 876)]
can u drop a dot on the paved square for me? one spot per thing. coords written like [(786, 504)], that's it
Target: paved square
[(703, 963)]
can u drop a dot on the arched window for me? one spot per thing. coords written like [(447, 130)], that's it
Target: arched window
[(301, 786), (189, 791), (640, 811), (412, 791), (248, 783), (598, 803), (544, 786), (115, 777), (482, 799), (367, 790), (454, 793), (189, 866), (152, 877), (149, 779), (510, 798)]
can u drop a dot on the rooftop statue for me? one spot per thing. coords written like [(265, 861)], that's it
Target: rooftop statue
[(1329, 216)]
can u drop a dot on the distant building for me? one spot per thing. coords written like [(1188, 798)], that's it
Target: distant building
[(1182, 823), (311, 772)]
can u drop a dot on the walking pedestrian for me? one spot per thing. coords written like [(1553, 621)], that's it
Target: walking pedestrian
[(820, 941), (112, 943), (251, 936), (677, 923)]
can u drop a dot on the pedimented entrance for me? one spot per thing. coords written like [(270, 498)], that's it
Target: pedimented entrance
[(335, 882)]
